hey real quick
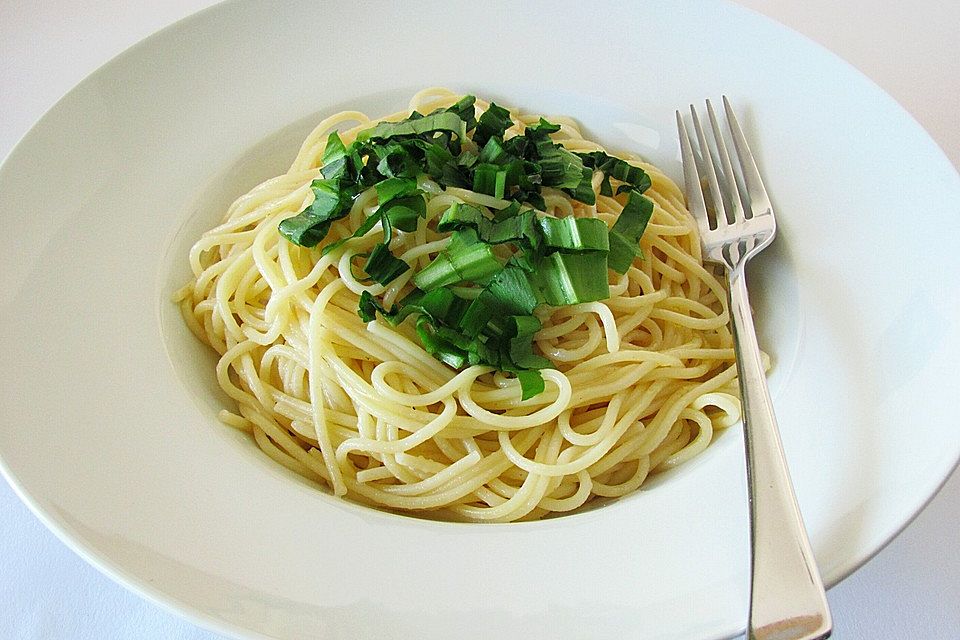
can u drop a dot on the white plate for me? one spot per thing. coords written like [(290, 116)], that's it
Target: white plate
[(108, 404)]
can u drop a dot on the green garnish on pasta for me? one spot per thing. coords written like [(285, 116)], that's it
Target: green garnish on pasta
[(474, 302), (471, 334)]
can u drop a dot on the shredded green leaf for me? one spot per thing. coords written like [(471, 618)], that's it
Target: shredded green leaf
[(461, 260), (572, 278), (404, 213), (633, 177), (558, 167), (335, 158), (531, 383), (490, 179), (466, 111), (437, 346), (492, 123), (382, 266), (369, 306), (311, 225), (511, 292), (460, 216), (438, 122), (626, 231), (395, 188), (575, 235)]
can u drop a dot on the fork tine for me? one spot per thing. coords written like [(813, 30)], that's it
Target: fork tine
[(759, 201), (691, 179), (712, 182), (731, 178)]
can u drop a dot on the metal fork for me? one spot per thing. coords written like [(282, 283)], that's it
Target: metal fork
[(787, 600)]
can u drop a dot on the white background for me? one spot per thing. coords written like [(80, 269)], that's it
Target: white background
[(910, 590)]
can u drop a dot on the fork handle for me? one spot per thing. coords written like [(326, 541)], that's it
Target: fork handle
[(787, 600)]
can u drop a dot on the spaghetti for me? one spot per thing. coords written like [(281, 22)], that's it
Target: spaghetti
[(640, 381)]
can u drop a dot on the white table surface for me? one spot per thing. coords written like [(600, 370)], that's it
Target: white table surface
[(911, 589)]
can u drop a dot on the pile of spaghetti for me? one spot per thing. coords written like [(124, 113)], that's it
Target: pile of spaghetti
[(465, 311)]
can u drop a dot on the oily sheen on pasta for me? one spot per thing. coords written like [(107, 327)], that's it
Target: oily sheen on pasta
[(639, 382)]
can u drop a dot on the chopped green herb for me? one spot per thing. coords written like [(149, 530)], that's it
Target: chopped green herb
[(633, 177), (574, 235), (460, 216), (493, 123), (311, 225), (438, 122), (466, 111), (558, 167), (531, 383), (626, 231), (490, 179), (369, 306), (437, 346), (572, 278), (460, 261), (404, 213), (395, 188), (335, 158), (512, 292), (382, 266)]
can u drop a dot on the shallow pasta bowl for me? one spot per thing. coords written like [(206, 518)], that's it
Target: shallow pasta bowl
[(109, 429)]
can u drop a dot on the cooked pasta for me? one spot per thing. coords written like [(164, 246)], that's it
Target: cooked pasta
[(639, 381)]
